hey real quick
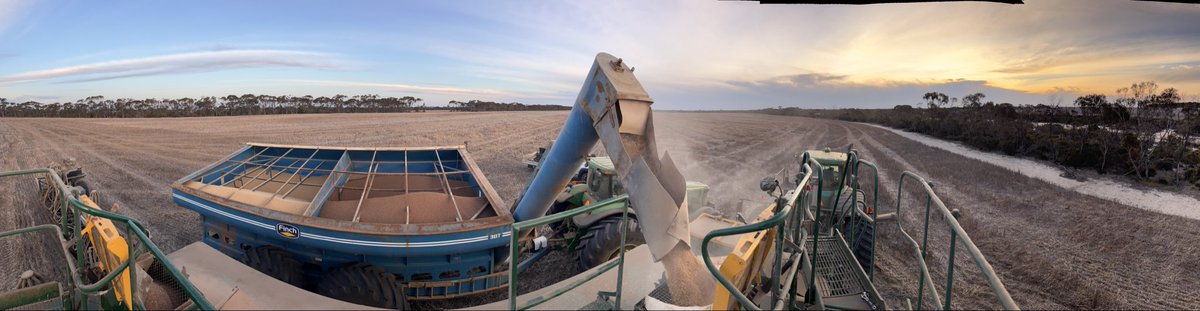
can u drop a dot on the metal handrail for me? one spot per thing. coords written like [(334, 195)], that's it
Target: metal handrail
[(856, 162), (812, 296), (874, 214), (775, 221), (515, 248), (956, 233), (131, 225)]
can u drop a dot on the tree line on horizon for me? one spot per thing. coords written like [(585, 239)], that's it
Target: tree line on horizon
[(230, 105), (479, 105), (246, 104), (1143, 132)]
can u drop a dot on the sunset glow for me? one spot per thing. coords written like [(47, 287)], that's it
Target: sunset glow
[(691, 54)]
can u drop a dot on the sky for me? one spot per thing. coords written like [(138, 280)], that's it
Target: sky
[(689, 55)]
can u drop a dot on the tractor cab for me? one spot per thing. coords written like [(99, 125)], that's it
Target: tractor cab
[(601, 179), (831, 175), (598, 181)]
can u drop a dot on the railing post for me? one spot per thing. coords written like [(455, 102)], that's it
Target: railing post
[(852, 157), (63, 207), (797, 227), (77, 231), (950, 265), (512, 268), (621, 263), (816, 233), (132, 271), (925, 233), (874, 221), (924, 251), (777, 269)]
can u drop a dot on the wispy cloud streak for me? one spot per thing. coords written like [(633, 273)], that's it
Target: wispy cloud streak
[(192, 62)]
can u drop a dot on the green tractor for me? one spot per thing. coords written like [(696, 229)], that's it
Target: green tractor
[(596, 236), (843, 203)]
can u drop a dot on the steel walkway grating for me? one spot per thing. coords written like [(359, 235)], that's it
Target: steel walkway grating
[(837, 271)]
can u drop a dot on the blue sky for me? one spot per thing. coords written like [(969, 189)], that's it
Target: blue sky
[(688, 54)]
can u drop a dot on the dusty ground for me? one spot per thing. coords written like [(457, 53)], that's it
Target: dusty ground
[(1052, 247)]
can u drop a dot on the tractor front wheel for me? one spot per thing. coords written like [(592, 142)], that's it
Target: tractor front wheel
[(275, 262), (364, 284), (602, 242)]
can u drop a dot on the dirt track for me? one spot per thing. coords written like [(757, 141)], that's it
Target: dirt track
[(1052, 247)]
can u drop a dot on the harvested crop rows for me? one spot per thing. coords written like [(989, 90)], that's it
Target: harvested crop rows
[(1053, 248)]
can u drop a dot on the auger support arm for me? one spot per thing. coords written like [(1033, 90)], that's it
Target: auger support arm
[(614, 109)]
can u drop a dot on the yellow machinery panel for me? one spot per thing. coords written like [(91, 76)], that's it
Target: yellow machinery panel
[(743, 265), (110, 250)]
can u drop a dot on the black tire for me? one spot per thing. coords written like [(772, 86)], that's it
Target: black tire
[(860, 229), (602, 241), (275, 262), (363, 284), (848, 204), (87, 189), (864, 244)]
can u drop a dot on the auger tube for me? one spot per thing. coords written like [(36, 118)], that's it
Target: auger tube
[(614, 109), (561, 162)]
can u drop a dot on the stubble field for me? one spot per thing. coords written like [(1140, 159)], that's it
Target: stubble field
[(1053, 248)]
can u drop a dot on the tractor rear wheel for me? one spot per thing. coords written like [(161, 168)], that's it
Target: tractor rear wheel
[(602, 242), (364, 284), (275, 262)]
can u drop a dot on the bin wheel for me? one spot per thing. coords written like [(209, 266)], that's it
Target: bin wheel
[(602, 241), (275, 262), (364, 284)]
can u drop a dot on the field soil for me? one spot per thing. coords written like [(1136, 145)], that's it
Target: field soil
[(1053, 248)]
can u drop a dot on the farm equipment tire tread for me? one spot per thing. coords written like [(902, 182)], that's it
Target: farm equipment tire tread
[(363, 284), (603, 238), (275, 262), (864, 244)]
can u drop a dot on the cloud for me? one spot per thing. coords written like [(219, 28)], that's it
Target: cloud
[(192, 62), (825, 90), (807, 80), (1181, 73), (1036, 47), (741, 53)]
